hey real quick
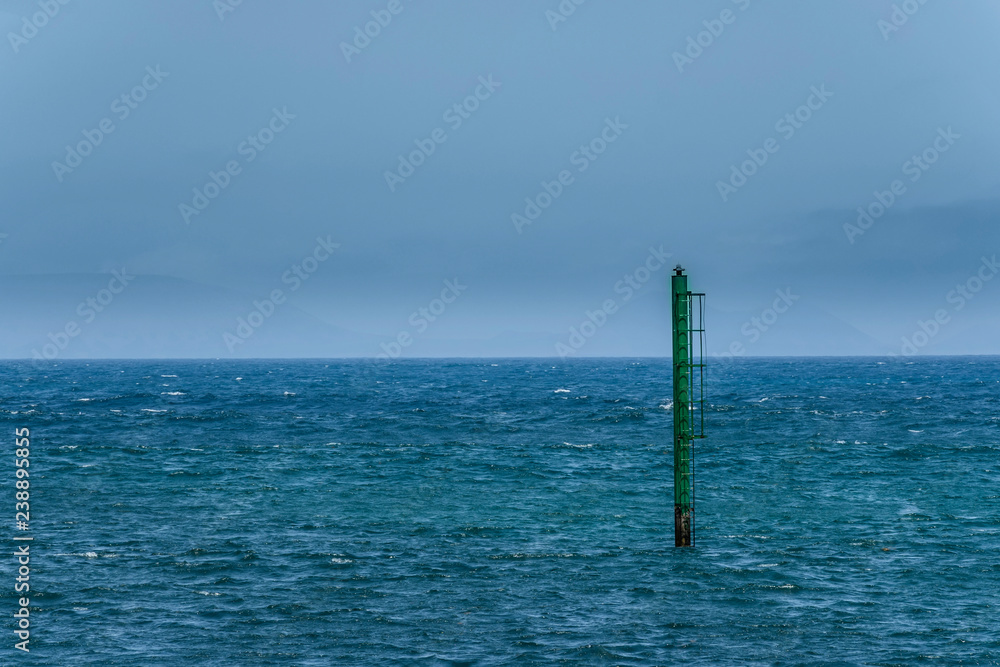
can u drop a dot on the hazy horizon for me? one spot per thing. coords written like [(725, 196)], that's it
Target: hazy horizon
[(477, 180), (712, 360)]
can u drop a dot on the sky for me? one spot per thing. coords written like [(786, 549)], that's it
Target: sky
[(420, 178)]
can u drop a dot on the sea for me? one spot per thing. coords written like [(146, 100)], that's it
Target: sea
[(503, 512)]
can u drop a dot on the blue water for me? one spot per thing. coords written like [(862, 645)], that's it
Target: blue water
[(509, 511)]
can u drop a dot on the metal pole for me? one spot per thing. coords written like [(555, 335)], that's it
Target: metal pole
[(683, 428)]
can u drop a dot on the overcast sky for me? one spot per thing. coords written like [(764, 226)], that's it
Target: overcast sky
[(739, 137)]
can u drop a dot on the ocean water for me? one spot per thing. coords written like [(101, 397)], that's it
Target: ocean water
[(495, 512)]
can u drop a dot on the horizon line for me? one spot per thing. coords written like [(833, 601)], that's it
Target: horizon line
[(718, 357)]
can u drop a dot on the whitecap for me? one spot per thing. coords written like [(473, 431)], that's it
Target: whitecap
[(84, 400), (173, 393), (668, 405), (341, 560), (289, 393), (561, 391), (151, 410), (207, 593), (168, 376), (912, 431), (238, 379)]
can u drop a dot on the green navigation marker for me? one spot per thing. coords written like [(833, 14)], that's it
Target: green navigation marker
[(688, 340)]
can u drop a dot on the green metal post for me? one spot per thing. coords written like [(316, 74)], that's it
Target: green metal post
[(683, 428)]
